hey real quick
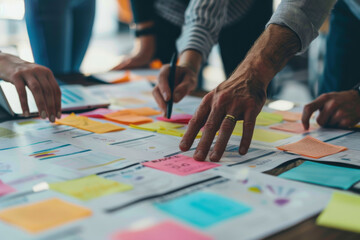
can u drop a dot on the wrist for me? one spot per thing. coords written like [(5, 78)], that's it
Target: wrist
[(191, 59)]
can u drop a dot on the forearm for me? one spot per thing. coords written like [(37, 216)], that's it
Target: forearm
[(270, 53)]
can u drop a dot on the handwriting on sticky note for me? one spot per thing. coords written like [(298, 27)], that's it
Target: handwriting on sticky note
[(5, 189), (97, 113), (164, 230), (261, 135), (289, 116), (327, 175), (293, 127), (206, 208), (87, 124), (177, 118), (343, 212), (312, 147), (89, 187), (180, 165), (41, 216)]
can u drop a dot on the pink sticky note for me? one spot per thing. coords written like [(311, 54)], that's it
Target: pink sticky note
[(177, 118), (162, 231), (180, 165), (5, 189), (293, 127), (97, 113)]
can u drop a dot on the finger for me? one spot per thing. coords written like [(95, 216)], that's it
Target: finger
[(326, 112), (248, 130), (164, 82), (184, 88), (225, 132), (196, 123), (20, 88), (48, 96), (38, 94), (159, 99), (336, 118), (310, 108), (211, 126), (57, 93)]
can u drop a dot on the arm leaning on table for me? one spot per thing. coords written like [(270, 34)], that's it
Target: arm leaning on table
[(337, 109), (290, 30), (38, 79)]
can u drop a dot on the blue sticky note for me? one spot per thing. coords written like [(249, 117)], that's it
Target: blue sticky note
[(203, 209), (322, 174)]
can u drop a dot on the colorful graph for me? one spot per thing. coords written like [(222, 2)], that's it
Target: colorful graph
[(45, 154), (57, 151)]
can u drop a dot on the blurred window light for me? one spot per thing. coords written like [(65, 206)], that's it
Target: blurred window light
[(281, 105), (12, 9)]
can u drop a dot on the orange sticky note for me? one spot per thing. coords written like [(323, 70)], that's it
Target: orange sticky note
[(312, 147), (143, 111), (129, 119), (289, 116), (125, 78), (41, 216), (294, 127)]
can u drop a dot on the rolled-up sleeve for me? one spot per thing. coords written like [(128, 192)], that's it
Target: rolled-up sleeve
[(304, 17), (203, 23)]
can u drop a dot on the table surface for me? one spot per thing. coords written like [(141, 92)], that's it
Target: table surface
[(304, 230)]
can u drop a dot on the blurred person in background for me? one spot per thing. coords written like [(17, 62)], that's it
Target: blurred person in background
[(59, 32)]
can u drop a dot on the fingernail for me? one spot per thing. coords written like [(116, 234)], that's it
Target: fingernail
[(26, 114), (52, 118), (43, 114), (183, 144), (242, 150), (199, 156), (165, 96), (58, 115)]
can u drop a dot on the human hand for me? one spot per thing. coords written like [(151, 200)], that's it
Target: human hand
[(40, 80), (185, 82), (142, 54), (240, 97), (337, 109)]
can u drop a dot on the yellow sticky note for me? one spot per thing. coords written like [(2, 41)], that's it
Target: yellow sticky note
[(87, 124), (89, 187), (266, 119), (176, 132), (261, 134), (41, 216), (343, 212), (154, 126)]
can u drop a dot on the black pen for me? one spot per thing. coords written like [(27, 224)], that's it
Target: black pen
[(171, 84)]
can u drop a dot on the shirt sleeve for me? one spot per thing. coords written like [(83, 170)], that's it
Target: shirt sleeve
[(203, 22), (143, 10), (304, 17)]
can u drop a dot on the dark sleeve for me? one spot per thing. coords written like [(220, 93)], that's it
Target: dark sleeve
[(143, 10)]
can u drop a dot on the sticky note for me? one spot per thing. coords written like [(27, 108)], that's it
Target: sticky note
[(162, 231), (289, 116), (180, 165), (266, 119), (41, 216), (143, 111), (155, 126), (293, 127), (261, 134), (129, 119), (177, 118), (125, 78), (343, 212), (5, 189), (312, 147), (97, 113), (322, 174), (87, 124), (203, 209), (89, 187)]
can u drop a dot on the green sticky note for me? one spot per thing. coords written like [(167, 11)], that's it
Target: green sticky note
[(322, 174), (89, 187), (155, 126), (266, 119), (343, 212), (203, 209), (261, 134)]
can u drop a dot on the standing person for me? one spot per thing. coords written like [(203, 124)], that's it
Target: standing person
[(197, 25), (342, 48), (59, 32)]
